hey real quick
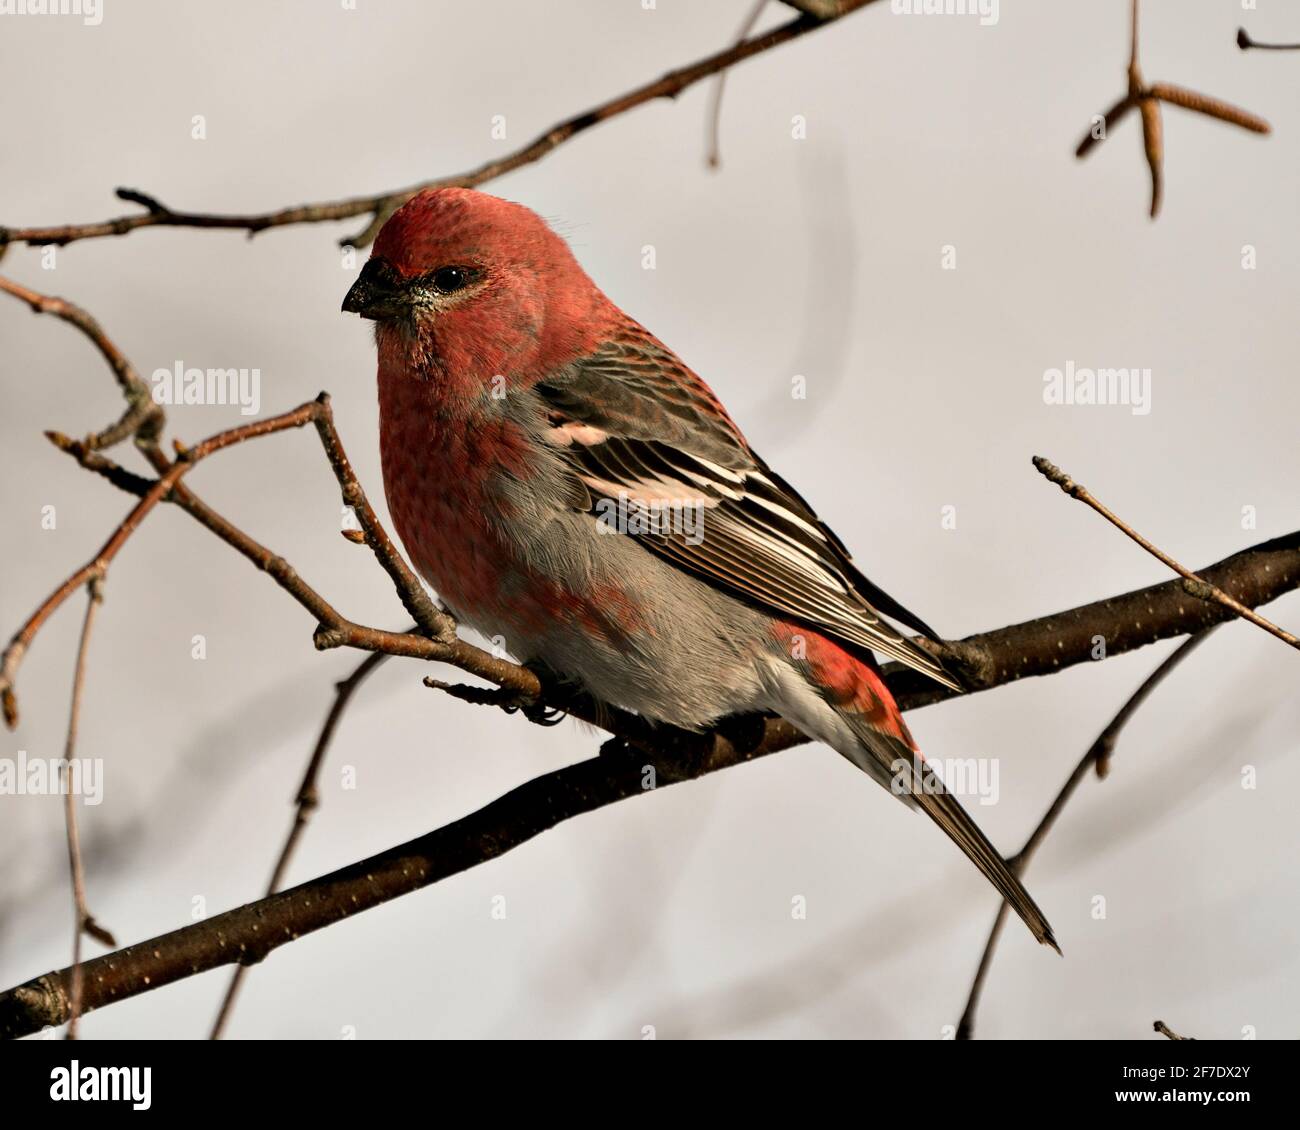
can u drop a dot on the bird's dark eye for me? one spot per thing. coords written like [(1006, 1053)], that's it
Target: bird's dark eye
[(448, 279)]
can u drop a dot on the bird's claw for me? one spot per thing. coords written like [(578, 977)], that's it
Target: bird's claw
[(539, 713)]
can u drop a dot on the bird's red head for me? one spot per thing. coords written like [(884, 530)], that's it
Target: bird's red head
[(474, 286)]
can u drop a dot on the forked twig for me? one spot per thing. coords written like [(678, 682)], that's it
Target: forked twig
[(97, 567), (1147, 98), (142, 415)]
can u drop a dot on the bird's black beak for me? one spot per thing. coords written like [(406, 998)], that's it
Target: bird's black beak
[(379, 293)]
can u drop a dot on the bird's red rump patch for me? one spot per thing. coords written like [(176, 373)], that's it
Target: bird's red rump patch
[(849, 683)]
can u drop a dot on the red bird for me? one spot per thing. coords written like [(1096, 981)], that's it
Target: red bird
[(566, 483)]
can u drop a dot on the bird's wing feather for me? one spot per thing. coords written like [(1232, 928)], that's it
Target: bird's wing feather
[(640, 430)]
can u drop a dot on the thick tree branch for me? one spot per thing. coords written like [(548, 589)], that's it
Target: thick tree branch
[(249, 933), (1111, 627)]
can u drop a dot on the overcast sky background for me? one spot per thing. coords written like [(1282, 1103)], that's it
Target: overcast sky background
[(818, 257)]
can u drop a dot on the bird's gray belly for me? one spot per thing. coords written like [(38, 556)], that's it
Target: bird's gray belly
[(640, 634)]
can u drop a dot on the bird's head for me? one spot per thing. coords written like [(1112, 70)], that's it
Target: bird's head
[(476, 281)]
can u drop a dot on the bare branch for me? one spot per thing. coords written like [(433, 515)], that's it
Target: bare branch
[(248, 933), (84, 922), (334, 629), (379, 207), (97, 567), (1110, 120), (822, 9), (142, 415), (1245, 42), (1147, 99), (712, 156), (1193, 584), (1153, 145), (430, 620), (1211, 107)]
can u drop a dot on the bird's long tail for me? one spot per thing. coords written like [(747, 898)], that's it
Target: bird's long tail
[(886, 750), (891, 747), (945, 810)]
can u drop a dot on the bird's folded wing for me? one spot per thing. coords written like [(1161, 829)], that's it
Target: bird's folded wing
[(658, 454)]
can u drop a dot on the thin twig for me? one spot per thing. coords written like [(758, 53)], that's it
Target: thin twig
[(187, 458), (1153, 146), (1211, 107), (334, 629), (1164, 1029), (307, 801), (83, 921), (1153, 134), (433, 622), (712, 154), (1133, 36), (142, 415), (380, 207), (1245, 42), (1194, 585), (1110, 120), (1098, 756), (1147, 98)]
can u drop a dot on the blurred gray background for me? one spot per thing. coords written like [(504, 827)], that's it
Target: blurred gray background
[(818, 257)]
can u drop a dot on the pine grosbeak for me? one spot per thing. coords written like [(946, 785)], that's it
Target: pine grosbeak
[(520, 410)]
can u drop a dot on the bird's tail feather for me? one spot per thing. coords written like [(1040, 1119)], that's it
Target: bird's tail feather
[(880, 743), (909, 774), (944, 809)]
